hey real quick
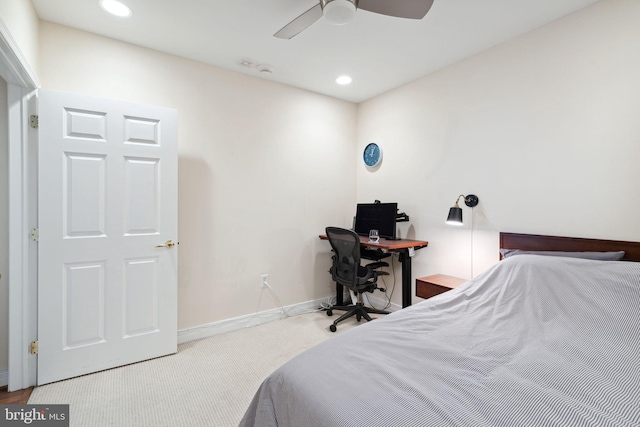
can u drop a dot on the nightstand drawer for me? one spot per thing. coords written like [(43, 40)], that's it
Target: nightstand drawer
[(430, 286)]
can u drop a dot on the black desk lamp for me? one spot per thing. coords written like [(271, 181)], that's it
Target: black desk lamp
[(455, 213)]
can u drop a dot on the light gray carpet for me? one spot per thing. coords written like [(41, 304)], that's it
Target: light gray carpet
[(209, 382)]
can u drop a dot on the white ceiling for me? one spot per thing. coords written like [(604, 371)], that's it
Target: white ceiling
[(379, 52)]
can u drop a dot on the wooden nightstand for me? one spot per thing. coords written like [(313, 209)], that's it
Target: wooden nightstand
[(430, 286)]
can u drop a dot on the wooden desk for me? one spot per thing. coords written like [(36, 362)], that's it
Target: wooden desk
[(402, 247)]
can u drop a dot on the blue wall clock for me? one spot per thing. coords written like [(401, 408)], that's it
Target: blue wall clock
[(372, 155)]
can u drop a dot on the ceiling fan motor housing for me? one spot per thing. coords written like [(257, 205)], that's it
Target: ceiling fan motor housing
[(338, 11)]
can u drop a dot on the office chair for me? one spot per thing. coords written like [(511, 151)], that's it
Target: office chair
[(347, 271)]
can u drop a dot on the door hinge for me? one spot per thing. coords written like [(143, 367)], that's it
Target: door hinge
[(33, 121), (35, 234), (34, 347)]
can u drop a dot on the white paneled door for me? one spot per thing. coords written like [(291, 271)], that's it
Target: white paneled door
[(107, 202)]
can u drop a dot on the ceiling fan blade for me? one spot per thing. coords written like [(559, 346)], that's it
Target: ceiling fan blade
[(412, 9), (301, 23)]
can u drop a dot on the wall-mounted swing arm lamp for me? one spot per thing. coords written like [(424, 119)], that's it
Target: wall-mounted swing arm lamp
[(455, 213)]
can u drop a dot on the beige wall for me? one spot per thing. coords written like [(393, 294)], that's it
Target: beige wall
[(21, 20), (263, 168), (544, 129)]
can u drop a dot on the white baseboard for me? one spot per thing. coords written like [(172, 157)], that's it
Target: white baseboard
[(248, 320), (380, 302), (4, 378), (235, 323)]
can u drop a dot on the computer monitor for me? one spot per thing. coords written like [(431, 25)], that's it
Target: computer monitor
[(376, 216)]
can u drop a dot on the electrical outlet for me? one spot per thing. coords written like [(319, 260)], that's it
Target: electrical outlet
[(264, 280)]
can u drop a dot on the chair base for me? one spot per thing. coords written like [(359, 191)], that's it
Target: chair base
[(358, 309)]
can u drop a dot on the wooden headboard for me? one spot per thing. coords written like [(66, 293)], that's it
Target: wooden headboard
[(534, 242)]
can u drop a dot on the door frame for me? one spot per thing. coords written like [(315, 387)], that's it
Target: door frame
[(22, 83)]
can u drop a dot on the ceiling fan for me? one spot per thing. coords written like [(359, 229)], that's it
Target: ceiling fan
[(342, 11)]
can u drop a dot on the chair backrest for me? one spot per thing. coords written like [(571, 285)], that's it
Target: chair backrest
[(346, 245)]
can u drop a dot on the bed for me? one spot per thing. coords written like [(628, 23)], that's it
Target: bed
[(537, 340)]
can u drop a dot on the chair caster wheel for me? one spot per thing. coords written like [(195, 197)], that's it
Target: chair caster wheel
[(358, 317), (329, 312), (333, 328)]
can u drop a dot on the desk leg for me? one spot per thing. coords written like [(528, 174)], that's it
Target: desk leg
[(405, 262)]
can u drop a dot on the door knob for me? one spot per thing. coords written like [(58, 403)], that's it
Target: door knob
[(168, 244)]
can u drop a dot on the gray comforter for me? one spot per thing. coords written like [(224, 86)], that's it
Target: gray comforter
[(534, 341)]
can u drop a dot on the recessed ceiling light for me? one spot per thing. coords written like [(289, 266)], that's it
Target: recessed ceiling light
[(247, 62), (116, 8), (264, 68), (343, 80)]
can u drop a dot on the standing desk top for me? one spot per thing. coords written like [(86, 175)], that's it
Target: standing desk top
[(389, 245)]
